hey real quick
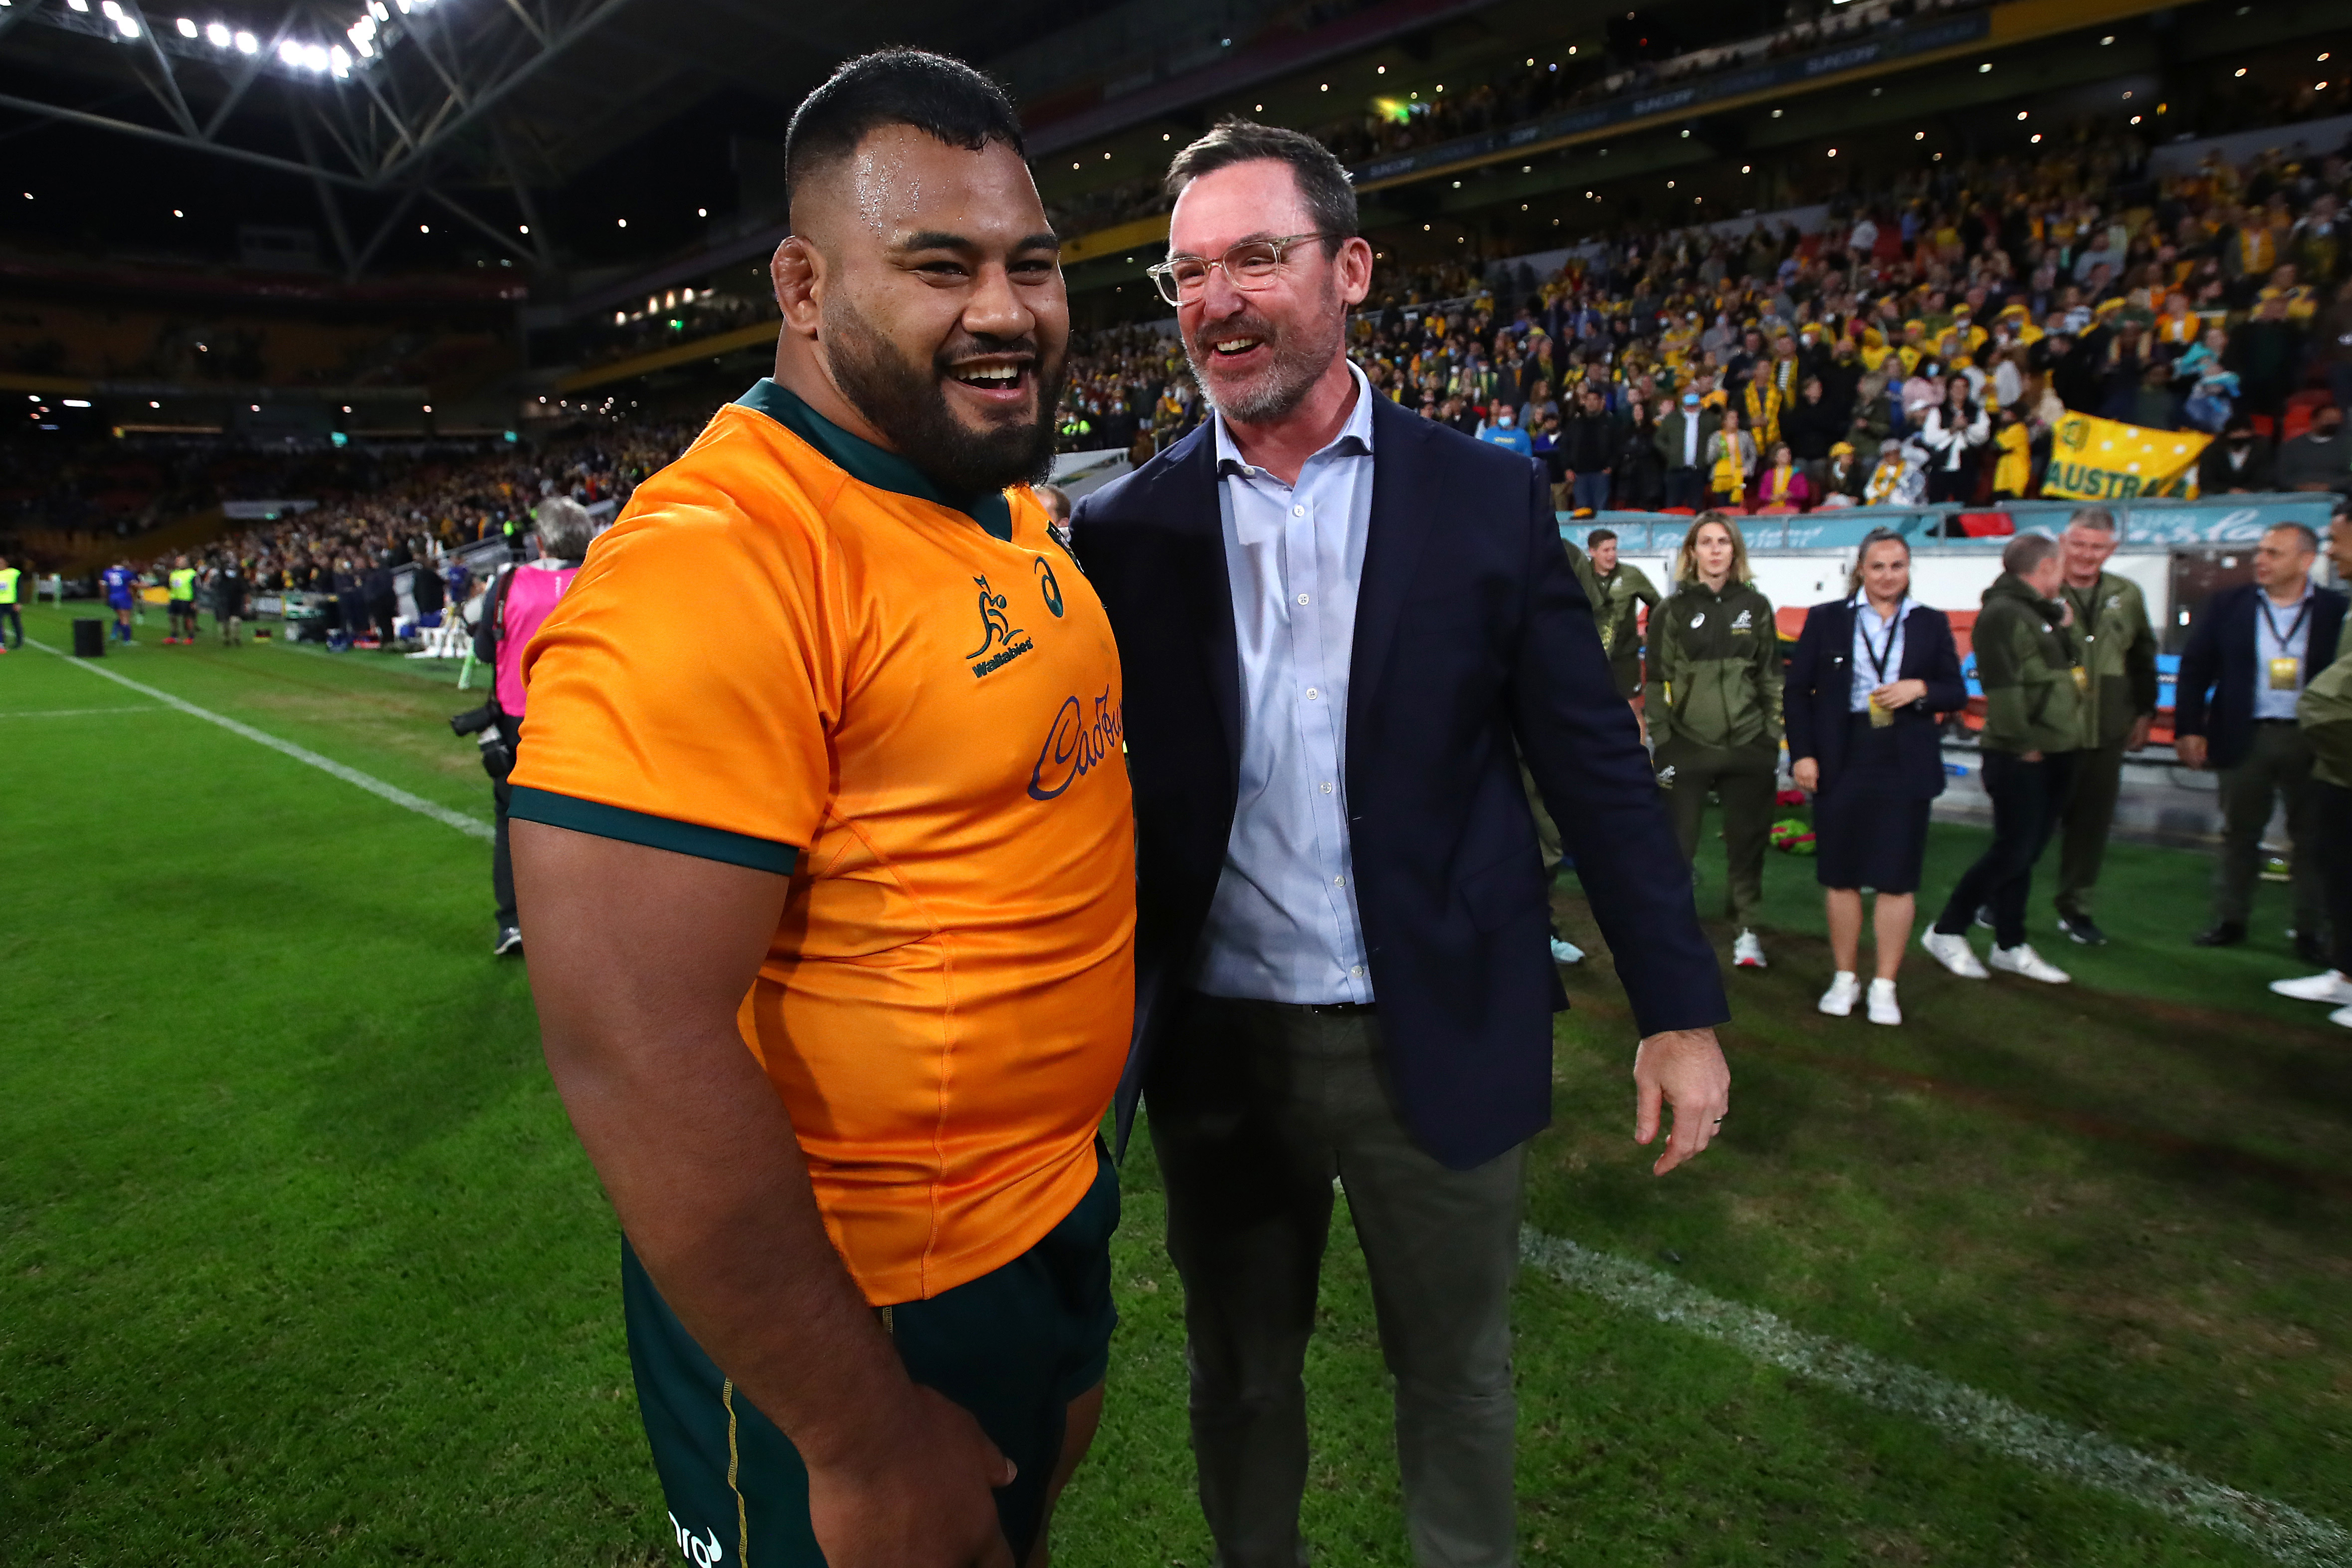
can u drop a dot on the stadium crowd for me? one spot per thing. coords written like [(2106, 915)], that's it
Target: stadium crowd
[(347, 549), (1921, 346)]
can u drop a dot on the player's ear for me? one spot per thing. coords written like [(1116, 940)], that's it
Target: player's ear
[(796, 271)]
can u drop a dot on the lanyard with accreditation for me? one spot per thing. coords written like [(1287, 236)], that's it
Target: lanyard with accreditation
[(2287, 671)]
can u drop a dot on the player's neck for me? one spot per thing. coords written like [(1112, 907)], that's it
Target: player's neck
[(808, 378), (2074, 581)]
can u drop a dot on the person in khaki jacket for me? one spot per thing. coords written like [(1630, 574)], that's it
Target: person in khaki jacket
[(1714, 708), (2034, 727), (1622, 589), (2324, 713), (2115, 647)]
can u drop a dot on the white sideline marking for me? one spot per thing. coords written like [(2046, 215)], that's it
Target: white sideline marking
[(2282, 1533), (375, 787), (76, 712)]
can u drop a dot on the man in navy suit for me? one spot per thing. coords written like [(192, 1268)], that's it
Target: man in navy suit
[(2246, 664), (1341, 628)]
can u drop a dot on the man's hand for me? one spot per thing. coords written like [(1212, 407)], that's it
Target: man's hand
[(2136, 739), (918, 1494), (2190, 750), (1683, 1068), (1807, 772)]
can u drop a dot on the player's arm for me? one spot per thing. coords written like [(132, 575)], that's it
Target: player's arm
[(638, 958)]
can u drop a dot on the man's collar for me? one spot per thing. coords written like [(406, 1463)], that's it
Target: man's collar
[(867, 463), (1357, 430), (1861, 602)]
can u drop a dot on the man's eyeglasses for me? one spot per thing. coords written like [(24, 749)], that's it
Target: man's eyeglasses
[(1252, 264)]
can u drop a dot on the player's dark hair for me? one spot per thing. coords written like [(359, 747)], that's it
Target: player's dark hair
[(1599, 536), (939, 96), (1322, 178)]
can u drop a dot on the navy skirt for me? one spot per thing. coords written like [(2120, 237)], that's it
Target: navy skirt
[(1870, 830)]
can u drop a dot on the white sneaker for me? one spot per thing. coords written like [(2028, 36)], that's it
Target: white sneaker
[(2329, 987), (1843, 993), (1748, 953), (1883, 1007), (2342, 1018), (1952, 951), (1566, 952), (2022, 960)]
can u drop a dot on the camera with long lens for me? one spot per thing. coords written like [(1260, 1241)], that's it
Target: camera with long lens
[(482, 724)]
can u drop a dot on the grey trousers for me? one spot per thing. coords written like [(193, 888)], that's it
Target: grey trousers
[(2278, 766), (1254, 1108)]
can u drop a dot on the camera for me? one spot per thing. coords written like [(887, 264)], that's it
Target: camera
[(497, 757)]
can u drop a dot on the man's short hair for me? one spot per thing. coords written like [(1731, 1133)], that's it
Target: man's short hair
[(1322, 178), (1057, 500), (2310, 535), (2026, 553), (941, 97), (564, 528), (2093, 517), (1598, 537)]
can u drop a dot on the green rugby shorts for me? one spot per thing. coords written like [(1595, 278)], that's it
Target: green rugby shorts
[(1013, 1347)]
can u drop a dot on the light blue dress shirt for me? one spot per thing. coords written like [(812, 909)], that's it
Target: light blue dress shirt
[(1283, 926), (2280, 634), (1871, 635)]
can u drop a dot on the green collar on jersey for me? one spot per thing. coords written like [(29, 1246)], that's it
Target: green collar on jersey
[(869, 464)]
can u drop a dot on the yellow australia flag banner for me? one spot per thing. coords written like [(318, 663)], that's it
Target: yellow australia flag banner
[(2100, 459)]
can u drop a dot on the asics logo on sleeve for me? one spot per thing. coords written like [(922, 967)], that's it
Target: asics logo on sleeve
[(701, 1554)]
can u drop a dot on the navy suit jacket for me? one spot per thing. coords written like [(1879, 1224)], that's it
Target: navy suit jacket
[(2215, 697), (1473, 647), (1819, 693)]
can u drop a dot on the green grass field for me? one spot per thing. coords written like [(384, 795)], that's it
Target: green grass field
[(299, 1261)]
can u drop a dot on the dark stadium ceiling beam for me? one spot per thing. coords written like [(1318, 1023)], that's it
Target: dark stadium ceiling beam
[(414, 104)]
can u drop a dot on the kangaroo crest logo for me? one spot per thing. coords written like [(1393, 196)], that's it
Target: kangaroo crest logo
[(996, 629), (998, 632)]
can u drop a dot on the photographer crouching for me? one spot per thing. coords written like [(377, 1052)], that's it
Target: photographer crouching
[(517, 600)]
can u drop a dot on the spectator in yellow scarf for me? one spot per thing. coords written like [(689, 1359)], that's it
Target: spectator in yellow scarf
[(1730, 461)]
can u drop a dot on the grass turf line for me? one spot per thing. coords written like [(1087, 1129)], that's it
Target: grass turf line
[(298, 1256)]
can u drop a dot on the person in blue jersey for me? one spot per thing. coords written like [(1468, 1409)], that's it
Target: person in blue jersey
[(119, 582)]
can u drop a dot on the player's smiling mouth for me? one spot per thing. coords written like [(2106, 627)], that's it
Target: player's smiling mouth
[(998, 380)]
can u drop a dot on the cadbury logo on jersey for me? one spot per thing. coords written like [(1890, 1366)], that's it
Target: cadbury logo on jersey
[(1076, 745)]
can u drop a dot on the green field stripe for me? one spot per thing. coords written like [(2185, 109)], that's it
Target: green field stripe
[(83, 712), (2274, 1528), (472, 826)]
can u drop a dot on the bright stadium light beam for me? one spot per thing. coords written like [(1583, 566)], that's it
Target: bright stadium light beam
[(188, 28), (217, 35), (246, 44)]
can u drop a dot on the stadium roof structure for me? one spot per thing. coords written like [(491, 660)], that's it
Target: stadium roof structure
[(387, 106)]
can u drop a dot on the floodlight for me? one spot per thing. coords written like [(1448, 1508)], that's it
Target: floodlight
[(246, 44), (290, 52), (126, 26), (188, 28), (315, 56), (339, 62), (79, 4), (217, 35)]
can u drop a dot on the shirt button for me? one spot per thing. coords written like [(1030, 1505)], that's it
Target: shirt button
[(1313, 695), (1302, 598), (1326, 787), (1339, 881), (1299, 512), (1357, 970)]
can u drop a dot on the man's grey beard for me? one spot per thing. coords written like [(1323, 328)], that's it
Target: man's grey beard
[(1298, 364)]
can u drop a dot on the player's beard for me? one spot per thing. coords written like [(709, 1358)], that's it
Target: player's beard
[(908, 402), (1299, 355)]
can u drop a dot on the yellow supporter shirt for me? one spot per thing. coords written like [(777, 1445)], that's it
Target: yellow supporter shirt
[(792, 653)]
